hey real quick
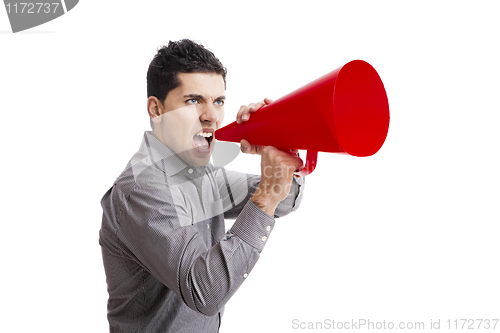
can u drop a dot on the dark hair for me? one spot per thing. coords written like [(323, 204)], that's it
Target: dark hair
[(184, 56)]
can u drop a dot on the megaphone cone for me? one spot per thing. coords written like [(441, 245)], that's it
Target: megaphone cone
[(345, 111)]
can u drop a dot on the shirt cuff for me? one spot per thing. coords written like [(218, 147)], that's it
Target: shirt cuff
[(253, 226)]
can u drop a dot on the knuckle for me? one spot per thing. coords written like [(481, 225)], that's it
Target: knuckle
[(267, 149)]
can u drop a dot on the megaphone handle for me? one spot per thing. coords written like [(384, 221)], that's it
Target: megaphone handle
[(311, 159)]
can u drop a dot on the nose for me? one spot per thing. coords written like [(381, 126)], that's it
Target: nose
[(209, 114)]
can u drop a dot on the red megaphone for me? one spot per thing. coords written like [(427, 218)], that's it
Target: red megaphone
[(345, 111)]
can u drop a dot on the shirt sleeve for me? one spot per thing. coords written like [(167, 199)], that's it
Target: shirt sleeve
[(237, 188), (292, 202), (149, 231)]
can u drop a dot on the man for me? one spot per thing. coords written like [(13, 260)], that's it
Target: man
[(170, 266)]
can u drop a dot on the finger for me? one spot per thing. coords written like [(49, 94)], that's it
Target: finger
[(294, 166), (300, 164), (245, 146), (255, 106), (241, 111), (294, 152), (245, 111), (294, 161), (245, 115), (261, 104), (248, 148)]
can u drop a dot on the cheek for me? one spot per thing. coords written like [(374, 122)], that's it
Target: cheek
[(181, 122), (185, 126)]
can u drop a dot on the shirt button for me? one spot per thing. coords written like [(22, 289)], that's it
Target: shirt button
[(245, 275), (190, 171), (268, 228), (264, 238)]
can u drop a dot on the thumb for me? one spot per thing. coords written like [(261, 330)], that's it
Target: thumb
[(247, 148)]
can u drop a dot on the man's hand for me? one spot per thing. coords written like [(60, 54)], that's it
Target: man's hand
[(243, 115), (277, 170), (277, 166), (246, 110)]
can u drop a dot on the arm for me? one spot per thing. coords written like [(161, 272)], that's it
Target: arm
[(289, 202), (237, 188), (150, 233), (151, 230), (292, 201), (277, 175)]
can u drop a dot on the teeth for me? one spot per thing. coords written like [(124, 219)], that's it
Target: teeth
[(205, 134)]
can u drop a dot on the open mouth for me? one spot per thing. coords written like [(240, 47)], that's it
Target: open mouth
[(203, 140)]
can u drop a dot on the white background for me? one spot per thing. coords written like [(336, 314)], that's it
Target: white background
[(409, 234)]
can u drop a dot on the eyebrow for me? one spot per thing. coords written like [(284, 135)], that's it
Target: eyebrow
[(203, 98)]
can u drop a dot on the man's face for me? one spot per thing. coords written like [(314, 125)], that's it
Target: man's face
[(190, 115)]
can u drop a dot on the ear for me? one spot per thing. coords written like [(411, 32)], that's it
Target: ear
[(154, 108)]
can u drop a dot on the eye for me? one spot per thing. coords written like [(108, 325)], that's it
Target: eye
[(192, 101), (219, 102)]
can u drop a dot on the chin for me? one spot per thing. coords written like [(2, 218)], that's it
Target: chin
[(200, 162), (191, 158)]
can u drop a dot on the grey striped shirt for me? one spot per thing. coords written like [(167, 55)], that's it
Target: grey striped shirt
[(170, 266)]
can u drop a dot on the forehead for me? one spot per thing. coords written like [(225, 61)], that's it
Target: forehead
[(210, 84)]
